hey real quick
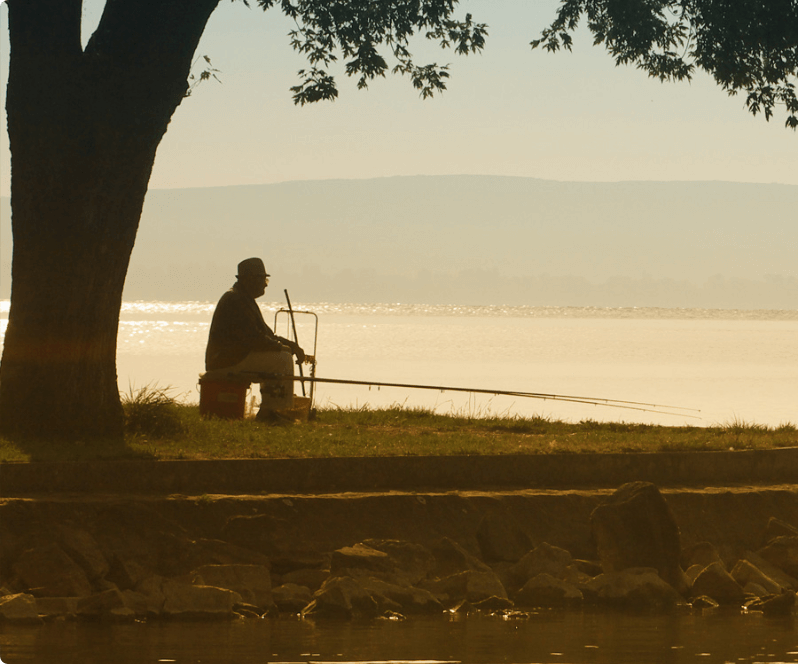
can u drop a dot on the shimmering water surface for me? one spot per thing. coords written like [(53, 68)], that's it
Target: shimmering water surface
[(545, 637), (732, 365)]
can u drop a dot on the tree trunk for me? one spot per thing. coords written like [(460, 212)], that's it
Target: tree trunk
[(83, 127)]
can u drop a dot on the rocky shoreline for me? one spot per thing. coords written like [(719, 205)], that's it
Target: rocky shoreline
[(119, 557)]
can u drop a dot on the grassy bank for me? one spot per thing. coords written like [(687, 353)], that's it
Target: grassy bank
[(167, 430)]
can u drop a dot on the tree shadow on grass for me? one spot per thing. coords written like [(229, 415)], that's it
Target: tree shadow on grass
[(37, 450)]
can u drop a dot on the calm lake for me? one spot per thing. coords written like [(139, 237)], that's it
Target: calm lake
[(729, 365), (566, 637)]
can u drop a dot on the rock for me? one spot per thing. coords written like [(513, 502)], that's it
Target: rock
[(501, 539), (248, 611), (635, 587), (84, 550), (183, 600), (589, 567), (636, 528), (777, 528), (127, 574), (101, 605), (412, 562), (291, 598), (341, 597), (470, 585), (19, 608), (137, 602), (704, 602), (745, 573), (693, 571), (152, 590), (451, 558), (51, 607), (548, 591), (771, 571), (360, 557), (492, 604), (782, 552), (47, 571), (702, 554), (715, 582), (409, 598), (252, 582), (777, 605), (755, 590), (545, 559), (311, 578)]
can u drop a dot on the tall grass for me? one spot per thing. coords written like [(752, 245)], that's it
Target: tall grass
[(153, 411)]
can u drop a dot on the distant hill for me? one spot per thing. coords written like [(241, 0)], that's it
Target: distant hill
[(472, 239)]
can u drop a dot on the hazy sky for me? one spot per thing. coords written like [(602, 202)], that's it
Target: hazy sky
[(509, 111)]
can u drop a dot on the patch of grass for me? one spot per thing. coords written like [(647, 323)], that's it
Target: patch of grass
[(153, 411), (393, 431)]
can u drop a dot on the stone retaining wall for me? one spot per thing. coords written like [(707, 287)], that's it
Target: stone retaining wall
[(552, 471)]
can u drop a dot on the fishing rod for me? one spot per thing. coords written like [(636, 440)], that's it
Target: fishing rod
[(296, 338), (595, 401)]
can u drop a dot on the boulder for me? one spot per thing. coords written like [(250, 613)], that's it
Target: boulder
[(51, 607), (501, 539), (84, 550), (715, 582), (311, 578), (634, 587), (777, 528), (47, 571), (408, 598), (291, 597), (774, 605), (107, 605), (412, 562), (636, 528), (771, 571), (702, 553), (127, 573), (470, 585), (152, 590), (252, 582), (546, 590), (451, 558), (745, 573), (782, 551), (360, 557), (494, 604), (342, 597), (545, 559), (704, 602), (20, 608), (183, 600)]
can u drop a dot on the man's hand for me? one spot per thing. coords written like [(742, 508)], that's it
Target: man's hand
[(300, 354)]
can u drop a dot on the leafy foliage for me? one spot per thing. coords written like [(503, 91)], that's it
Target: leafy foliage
[(749, 47), (357, 29)]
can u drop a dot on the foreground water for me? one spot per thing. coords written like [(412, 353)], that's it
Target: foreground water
[(567, 637), (731, 365)]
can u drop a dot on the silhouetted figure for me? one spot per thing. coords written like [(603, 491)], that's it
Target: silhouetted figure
[(240, 341)]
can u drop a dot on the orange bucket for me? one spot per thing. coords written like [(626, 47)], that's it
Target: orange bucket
[(223, 399)]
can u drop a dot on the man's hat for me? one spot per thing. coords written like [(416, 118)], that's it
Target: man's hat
[(252, 267)]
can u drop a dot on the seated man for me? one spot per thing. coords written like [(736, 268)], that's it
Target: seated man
[(240, 341)]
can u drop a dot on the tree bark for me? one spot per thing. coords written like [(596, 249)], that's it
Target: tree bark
[(84, 126)]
